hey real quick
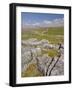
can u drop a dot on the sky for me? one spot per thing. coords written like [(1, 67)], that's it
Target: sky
[(41, 20)]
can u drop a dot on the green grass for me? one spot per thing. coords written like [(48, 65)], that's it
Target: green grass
[(55, 31), (50, 52), (53, 35)]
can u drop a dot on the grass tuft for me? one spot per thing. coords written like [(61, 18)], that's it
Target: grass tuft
[(31, 71)]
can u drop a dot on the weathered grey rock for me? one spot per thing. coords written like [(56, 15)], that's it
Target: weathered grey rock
[(42, 63), (31, 52), (50, 66), (44, 41), (62, 51), (36, 52), (34, 42), (25, 66), (48, 46), (28, 55), (25, 55), (58, 69)]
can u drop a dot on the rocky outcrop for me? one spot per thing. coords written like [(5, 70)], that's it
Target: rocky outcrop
[(31, 52), (28, 56), (50, 66), (34, 43)]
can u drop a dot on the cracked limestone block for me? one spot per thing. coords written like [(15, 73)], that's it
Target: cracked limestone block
[(28, 55), (52, 65), (29, 42), (62, 51), (58, 69), (25, 56), (42, 63), (39, 52), (44, 41), (36, 52), (48, 46)]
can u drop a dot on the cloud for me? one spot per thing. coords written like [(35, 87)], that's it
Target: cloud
[(36, 24), (60, 20), (47, 23), (32, 24), (54, 23)]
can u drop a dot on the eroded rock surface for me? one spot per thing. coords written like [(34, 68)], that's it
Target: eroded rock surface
[(31, 52)]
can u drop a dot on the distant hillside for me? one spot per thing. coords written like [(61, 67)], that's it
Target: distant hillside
[(42, 28), (52, 34)]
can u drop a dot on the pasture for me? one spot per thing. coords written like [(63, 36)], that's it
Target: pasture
[(54, 35)]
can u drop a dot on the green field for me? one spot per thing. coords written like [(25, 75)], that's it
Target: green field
[(54, 35)]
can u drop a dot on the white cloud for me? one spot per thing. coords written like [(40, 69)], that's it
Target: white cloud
[(47, 23), (32, 24), (54, 23), (60, 20), (36, 24)]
